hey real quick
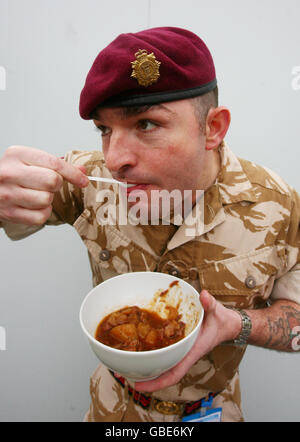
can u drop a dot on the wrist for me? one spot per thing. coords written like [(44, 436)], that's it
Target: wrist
[(245, 327), (231, 323)]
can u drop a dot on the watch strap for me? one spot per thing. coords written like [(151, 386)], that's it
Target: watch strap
[(246, 322)]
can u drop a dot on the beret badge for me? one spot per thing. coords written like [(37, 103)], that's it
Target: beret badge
[(145, 69)]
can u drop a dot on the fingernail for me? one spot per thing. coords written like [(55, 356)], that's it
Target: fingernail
[(84, 181)]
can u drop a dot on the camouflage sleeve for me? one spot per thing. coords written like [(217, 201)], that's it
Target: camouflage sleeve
[(287, 286), (67, 203)]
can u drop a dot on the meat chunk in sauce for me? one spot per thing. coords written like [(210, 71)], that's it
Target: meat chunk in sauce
[(124, 332), (135, 329)]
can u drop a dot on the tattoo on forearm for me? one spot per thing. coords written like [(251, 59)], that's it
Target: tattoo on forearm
[(281, 331)]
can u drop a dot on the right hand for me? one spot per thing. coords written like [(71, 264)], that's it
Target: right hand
[(29, 179)]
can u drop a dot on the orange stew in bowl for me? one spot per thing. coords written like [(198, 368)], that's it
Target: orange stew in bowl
[(136, 329)]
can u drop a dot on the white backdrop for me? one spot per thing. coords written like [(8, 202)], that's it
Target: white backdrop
[(46, 50)]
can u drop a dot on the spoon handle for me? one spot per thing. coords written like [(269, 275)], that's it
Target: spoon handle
[(106, 180)]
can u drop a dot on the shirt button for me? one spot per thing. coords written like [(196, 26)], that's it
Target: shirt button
[(250, 282), (104, 255), (175, 272)]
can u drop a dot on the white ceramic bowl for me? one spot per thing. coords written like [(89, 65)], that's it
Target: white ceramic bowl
[(141, 289)]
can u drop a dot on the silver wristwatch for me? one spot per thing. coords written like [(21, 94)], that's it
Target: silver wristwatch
[(242, 338)]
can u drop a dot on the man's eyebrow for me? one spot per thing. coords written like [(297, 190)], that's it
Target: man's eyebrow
[(163, 107), (128, 112), (131, 111)]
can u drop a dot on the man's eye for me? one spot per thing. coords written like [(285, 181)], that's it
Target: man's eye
[(103, 129), (146, 125)]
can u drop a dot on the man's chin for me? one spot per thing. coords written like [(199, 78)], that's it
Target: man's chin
[(155, 207), (148, 215)]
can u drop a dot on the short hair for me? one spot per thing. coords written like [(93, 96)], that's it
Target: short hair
[(203, 103)]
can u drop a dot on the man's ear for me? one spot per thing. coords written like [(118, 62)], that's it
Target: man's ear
[(217, 124)]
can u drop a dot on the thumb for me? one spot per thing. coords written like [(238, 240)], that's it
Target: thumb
[(82, 168), (208, 301)]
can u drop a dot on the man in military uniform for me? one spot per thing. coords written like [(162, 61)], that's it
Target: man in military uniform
[(153, 96)]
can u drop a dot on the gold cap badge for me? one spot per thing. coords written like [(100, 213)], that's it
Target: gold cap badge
[(145, 69)]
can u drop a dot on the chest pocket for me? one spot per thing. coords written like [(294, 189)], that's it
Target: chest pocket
[(245, 281), (111, 252)]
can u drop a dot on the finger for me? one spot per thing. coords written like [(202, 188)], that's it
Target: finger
[(171, 377), (39, 158), (71, 173), (19, 215), (82, 168), (31, 199), (208, 302), (37, 178)]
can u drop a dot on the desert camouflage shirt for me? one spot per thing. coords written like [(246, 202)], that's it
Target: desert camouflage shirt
[(246, 255)]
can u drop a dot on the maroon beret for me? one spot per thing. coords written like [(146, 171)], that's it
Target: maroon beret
[(152, 66)]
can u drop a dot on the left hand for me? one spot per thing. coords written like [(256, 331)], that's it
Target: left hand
[(219, 324)]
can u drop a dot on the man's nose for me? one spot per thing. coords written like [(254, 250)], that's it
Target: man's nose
[(119, 154)]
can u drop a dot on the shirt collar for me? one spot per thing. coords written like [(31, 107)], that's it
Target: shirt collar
[(231, 186), (233, 183)]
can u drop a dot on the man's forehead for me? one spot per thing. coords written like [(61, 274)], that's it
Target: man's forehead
[(130, 111)]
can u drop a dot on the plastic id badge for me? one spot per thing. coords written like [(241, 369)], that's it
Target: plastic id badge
[(206, 414), (209, 415)]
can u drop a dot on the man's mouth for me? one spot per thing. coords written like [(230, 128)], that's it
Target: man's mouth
[(130, 187)]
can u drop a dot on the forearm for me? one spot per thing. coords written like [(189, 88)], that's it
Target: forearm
[(276, 327)]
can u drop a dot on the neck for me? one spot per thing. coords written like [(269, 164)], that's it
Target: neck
[(214, 168)]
